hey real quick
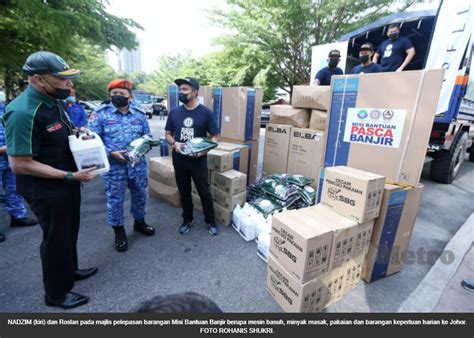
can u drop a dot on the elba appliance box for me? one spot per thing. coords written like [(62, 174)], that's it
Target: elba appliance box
[(205, 96), (277, 144), (382, 122), (349, 239), (306, 153), (392, 231), (287, 115), (318, 120), (353, 193), (311, 97), (238, 111)]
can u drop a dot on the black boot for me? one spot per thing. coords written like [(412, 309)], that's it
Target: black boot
[(2, 237), (120, 239), (23, 222), (144, 228)]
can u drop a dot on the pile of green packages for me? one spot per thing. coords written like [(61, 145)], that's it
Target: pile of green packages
[(198, 147), (138, 148)]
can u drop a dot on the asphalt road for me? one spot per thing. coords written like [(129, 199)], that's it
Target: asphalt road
[(225, 268)]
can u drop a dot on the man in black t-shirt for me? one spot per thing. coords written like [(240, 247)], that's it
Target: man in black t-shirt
[(185, 122), (366, 65), (393, 50), (323, 77)]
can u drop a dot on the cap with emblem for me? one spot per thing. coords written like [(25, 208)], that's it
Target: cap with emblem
[(43, 62), (120, 83), (189, 81), (334, 53), (367, 46)]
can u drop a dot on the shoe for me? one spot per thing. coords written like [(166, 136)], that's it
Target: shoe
[(23, 222), (185, 227), (468, 285), (142, 227), (213, 229), (82, 274), (70, 300), (2, 237), (121, 243)]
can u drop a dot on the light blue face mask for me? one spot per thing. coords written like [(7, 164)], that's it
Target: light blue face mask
[(71, 99)]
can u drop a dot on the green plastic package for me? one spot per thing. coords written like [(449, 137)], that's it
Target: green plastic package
[(299, 180), (197, 147), (266, 206), (307, 194), (278, 190), (138, 148)]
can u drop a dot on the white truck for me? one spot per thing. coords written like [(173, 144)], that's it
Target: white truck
[(443, 38)]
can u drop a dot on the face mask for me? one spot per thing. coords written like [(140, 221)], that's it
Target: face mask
[(59, 93), (393, 36), (119, 101), (71, 99), (364, 58), (183, 98), (332, 63)]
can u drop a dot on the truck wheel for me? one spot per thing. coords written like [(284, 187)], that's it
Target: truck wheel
[(446, 164)]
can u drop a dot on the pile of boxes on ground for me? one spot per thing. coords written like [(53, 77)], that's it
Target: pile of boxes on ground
[(368, 188), (232, 165)]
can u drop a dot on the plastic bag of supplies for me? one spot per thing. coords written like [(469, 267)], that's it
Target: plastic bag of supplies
[(139, 148)]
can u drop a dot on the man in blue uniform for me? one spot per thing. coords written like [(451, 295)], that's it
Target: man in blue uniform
[(396, 52), (188, 121), (323, 77), (366, 65), (118, 124), (76, 113), (13, 202)]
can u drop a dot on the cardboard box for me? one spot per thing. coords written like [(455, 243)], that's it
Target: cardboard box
[(353, 272), (380, 133), (238, 111), (219, 160), (161, 169), (318, 120), (172, 97), (306, 152), (205, 96), (164, 192), (352, 193), (392, 231), (349, 239), (222, 215), (231, 181), (287, 115), (277, 144), (301, 244), (245, 157), (226, 200), (311, 97)]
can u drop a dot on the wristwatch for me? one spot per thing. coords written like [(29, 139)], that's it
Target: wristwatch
[(69, 177)]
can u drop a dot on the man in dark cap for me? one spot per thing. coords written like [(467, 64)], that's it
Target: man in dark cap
[(366, 65), (119, 123), (323, 77), (396, 52), (188, 121), (37, 130)]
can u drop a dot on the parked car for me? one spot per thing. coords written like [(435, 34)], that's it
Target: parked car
[(159, 107), (265, 116)]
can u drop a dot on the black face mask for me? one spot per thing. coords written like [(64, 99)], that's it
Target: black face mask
[(393, 36), (119, 101), (183, 98), (332, 63), (59, 93), (364, 58)]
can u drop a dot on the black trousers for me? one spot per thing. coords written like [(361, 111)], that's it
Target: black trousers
[(196, 169), (59, 218)]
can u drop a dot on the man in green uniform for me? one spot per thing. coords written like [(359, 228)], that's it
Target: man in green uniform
[(36, 131)]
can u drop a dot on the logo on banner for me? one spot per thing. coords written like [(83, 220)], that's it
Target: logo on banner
[(377, 127)]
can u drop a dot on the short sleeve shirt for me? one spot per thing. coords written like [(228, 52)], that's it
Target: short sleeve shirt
[(393, 53), (325, 74), (372, 68)]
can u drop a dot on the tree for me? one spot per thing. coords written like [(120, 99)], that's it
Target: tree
[(56, 25), (283, 31)]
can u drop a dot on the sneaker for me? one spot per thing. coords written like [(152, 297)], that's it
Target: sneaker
[(23, 222), (468, 285), (213, 230), (185, 227)]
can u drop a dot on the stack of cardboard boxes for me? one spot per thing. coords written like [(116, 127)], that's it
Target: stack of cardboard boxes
[(317, 253), (228, 186), (162, 181), (295, 138)]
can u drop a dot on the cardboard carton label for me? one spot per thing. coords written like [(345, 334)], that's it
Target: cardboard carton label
[(377, 127)]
